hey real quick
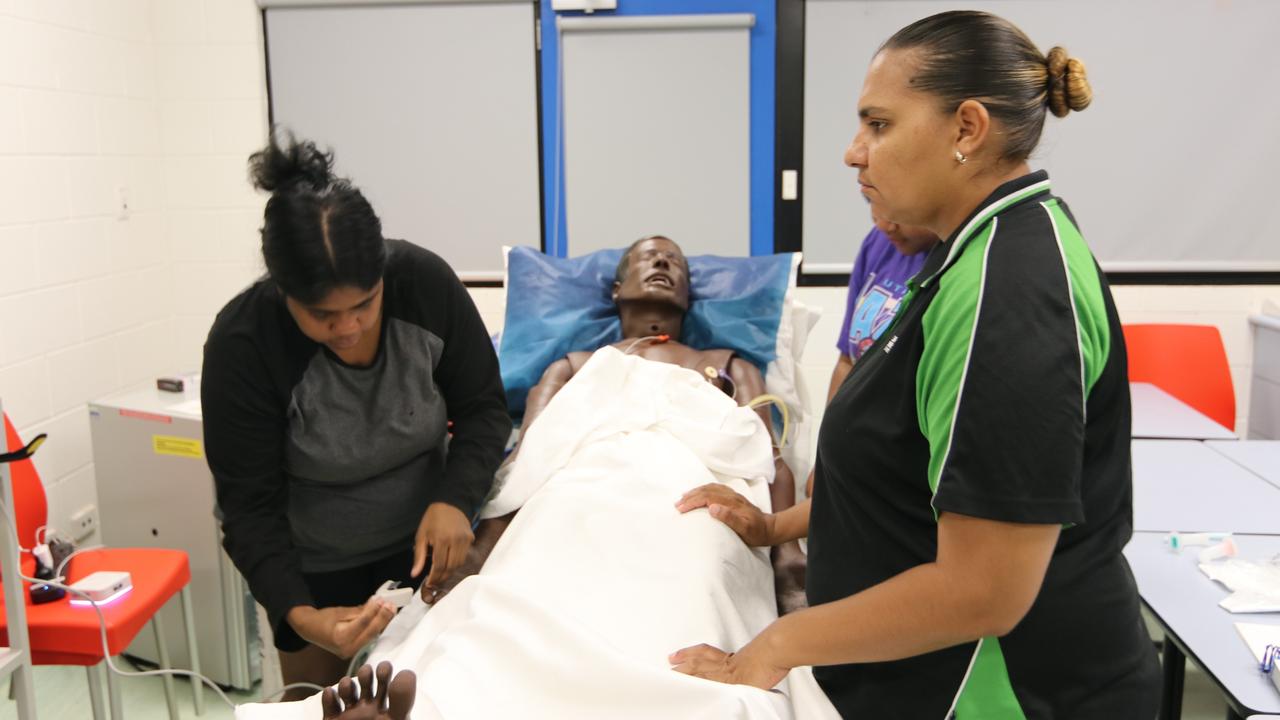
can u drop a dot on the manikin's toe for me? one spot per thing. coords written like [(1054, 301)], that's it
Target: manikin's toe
[(401, 692)]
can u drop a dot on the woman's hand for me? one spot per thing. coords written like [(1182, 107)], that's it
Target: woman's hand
[(341, 630), (445, 533), (755, 527), (741, 668)]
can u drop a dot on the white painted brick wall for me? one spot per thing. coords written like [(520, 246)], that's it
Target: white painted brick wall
[(211, 86), (165, 99)]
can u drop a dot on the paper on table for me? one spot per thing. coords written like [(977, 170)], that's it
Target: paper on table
[(1258, 637), (1255, 586)]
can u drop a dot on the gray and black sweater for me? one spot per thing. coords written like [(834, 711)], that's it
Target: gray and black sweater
[(323, 466)]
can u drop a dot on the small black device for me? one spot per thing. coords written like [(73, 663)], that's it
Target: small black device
[(42, 593), (170, 384)]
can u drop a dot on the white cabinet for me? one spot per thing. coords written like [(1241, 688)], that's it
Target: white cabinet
[(155, 490)]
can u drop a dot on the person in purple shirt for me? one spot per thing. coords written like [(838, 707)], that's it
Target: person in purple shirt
[(890, 255)]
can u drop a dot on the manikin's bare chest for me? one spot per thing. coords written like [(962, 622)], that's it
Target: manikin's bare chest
[(713, 365)]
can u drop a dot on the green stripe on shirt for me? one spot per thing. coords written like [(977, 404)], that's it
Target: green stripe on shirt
[(1086, 294), (949, 325), (987, 693)]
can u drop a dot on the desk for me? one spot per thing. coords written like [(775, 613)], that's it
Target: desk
[(1186, 486), (1185, 603), (1157, 414), (1261, 457)]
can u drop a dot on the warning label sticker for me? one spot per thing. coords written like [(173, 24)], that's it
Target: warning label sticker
[(177, 446)]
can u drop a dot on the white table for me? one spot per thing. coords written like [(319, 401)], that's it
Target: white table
[(1261, 457), (1157, 414), (1186, 486), (1185, 603)]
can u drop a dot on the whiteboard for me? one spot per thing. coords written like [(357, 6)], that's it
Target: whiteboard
[(657, 132), (431, 110), (1168, 170)]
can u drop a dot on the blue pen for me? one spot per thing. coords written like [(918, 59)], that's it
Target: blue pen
[(1269, 657)]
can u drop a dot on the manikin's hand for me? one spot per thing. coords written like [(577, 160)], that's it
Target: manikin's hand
[(445, 534)]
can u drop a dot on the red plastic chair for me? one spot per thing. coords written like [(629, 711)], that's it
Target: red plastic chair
[(63, 634), (1186, 361)]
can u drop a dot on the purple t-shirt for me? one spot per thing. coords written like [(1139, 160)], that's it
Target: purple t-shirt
[(876, 285)]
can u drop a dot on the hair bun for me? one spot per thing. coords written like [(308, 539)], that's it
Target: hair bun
[(279, 164), (1068, 83)]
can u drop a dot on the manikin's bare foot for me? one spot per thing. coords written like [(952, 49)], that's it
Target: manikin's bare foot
[(392, 701)]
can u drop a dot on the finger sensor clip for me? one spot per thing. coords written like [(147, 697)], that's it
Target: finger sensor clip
[(394, 594)]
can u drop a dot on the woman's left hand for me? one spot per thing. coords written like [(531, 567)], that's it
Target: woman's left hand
[(445, 531), (741, 668)]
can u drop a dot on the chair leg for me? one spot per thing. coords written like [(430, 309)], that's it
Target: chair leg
[(162, 652), (113, 692), (189, 620), (95, 690)]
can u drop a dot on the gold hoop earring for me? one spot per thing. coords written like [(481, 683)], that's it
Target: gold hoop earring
[(960, 158)]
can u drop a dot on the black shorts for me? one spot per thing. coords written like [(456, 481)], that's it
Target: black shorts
[(349, 587)]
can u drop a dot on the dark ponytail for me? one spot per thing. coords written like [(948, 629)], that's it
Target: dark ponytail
[(318, 232)]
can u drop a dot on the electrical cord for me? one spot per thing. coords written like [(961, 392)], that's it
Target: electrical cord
[(106, 647)]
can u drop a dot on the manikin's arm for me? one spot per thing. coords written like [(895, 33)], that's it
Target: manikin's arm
[(488, 532), (553, 378), (788, 558)]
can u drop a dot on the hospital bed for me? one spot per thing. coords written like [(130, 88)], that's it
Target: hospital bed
[(598, 578)]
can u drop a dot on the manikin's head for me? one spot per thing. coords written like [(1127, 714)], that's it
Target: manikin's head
[(653, 271)]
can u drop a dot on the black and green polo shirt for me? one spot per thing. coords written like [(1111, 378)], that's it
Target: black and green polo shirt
[(999, 392)]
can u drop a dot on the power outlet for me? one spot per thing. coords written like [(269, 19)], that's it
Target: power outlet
[(122, 203), (84, 522)]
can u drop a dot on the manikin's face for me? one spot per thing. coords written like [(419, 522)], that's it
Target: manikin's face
[(658, 273)]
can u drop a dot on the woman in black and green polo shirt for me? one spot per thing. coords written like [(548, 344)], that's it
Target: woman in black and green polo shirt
[(973, 486)]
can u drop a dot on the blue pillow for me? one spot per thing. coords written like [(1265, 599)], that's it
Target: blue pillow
[(560, 305)]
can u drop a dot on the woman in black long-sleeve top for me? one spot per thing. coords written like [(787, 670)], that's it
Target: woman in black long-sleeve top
[(353, 415)]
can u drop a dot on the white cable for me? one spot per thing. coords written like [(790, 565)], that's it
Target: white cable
[(106, 647)]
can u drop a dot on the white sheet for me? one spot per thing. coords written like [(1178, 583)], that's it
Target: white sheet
[(598, 578)]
